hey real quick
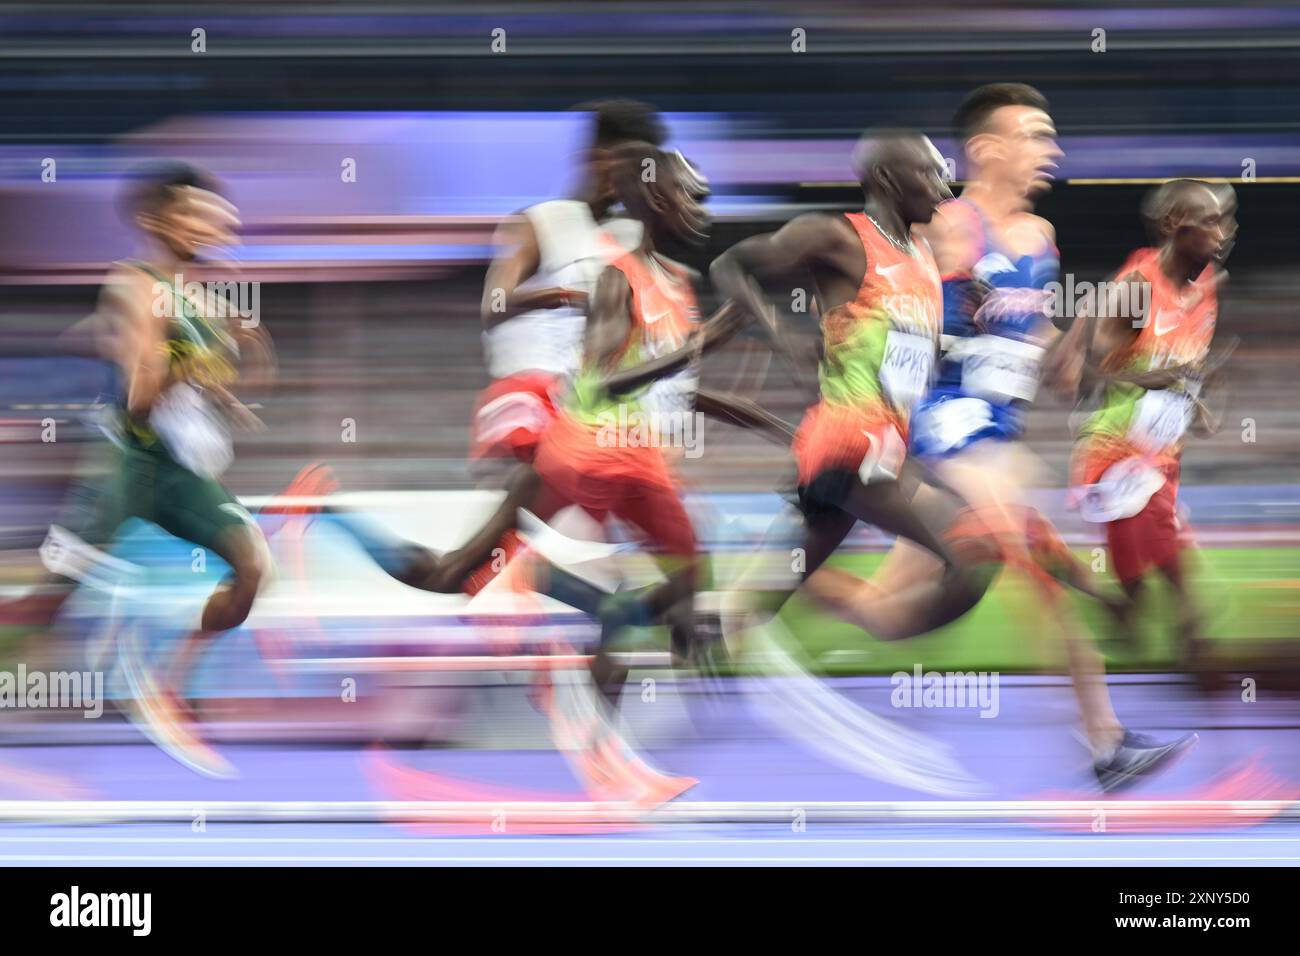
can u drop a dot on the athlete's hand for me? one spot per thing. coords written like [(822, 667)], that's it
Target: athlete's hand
[(721, 326), (1063, 372), (241, 416), (560, 298), (1165, 377), (1206, 422)]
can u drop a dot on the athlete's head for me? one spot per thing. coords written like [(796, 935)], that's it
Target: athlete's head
[(616, 123), (1008, 136), (902, 168), (1190, 216), (180, 206), (663, 190)]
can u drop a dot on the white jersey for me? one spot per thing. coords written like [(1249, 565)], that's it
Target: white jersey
[(570, 256)]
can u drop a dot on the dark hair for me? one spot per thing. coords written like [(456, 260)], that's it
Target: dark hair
[(875, 143), (976, 109), (150, 187), (624, 121), (1168, 198)]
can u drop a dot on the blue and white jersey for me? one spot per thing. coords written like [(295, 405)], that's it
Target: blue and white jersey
[(991, 352)]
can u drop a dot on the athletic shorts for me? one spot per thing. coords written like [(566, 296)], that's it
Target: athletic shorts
[(511, 414), (147, 483), (1153, 537), (871, 442), (948, 421), (632, 484)]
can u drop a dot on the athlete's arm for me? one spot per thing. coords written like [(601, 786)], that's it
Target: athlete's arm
[(516, 262), (142, 351), (744, 413), (1114, 330), (952, 241), (258, 364), (804, 243), (451, 569), (1211, 402), (1063, 363), (719, 328)]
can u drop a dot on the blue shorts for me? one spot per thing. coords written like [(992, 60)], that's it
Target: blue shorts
[(948, 421)]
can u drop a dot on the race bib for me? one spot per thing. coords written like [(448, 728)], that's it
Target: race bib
[(1123, 491), (1162, 418), (1000, 369), (905, 371), (192, 431)]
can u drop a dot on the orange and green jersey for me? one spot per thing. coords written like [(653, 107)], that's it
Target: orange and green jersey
[(880, 348), (663, 312), (1151, 423)]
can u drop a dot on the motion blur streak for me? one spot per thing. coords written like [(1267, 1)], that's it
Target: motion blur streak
[(330, 308)]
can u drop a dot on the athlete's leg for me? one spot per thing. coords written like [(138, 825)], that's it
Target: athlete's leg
[(655, 508), (936, 575), (202, 512), (444, 573), (242, 547)]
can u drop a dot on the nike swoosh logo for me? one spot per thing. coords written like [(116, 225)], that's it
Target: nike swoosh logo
[(887, 272), (652, 319), (1161, 328)]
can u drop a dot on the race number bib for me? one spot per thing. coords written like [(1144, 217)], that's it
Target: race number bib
[(1161, 419), (192, 431), (1000, 369), (905, 371), (1123, 491)]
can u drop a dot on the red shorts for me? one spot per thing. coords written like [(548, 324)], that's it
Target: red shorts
[(632, 484), (1153, 537), (511, 414), (834, 437)]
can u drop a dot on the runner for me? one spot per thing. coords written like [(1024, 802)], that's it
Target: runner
[(178, 362), (998, 261), (879, 291), (1149, 358)]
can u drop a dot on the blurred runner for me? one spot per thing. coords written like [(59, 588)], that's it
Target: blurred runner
[(179, 359), (1148, 353), (880, 294), (657, 321), (534, 309), (635, 388), (536, 289), (998, 261)]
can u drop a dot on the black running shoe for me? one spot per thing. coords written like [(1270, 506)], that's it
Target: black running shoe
[(1136, 757)]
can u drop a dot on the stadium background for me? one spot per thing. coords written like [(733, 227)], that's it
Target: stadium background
[(392, 341)]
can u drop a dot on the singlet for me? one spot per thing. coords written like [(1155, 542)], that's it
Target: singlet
[(995, 353), (663, 312), (572, 253), (1178, 330), (879, 348), (198, 350)]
